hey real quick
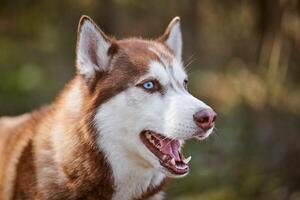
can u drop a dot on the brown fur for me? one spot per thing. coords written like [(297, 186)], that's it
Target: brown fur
[(154, 190), (52, 153)]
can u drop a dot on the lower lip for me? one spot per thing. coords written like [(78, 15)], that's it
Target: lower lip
[(175, 172)]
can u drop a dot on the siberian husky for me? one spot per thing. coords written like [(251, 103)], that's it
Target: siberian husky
[(115, 131)]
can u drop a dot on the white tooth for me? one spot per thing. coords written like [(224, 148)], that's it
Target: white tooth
[(164, 157), (187, 160), (148, 135), (172, 161)]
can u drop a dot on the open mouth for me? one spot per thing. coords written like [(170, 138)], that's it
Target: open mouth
[(167, 151)]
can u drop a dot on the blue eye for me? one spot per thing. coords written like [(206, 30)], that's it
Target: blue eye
[(148, 85)]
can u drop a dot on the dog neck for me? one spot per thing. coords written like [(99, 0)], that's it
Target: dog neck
[(133, 178)]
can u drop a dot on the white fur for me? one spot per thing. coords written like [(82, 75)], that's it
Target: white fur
[(178, 72), (91, 42), (134, 167), (156, 71), (124, 116), (174, 40)]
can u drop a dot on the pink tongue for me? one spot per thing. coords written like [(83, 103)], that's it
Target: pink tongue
[(171, 148)]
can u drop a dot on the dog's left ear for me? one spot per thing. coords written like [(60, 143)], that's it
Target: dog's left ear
[(93, 49), (172, 37)]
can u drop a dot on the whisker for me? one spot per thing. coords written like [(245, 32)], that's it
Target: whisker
[(189, 63), (187, 66), (215, 130), (189, 59), (216, 135)]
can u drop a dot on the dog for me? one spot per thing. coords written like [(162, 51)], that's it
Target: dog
[(116, 129)]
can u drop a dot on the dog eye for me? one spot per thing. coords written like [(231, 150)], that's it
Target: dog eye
[(185, 84), (151, 86), (148, 85)]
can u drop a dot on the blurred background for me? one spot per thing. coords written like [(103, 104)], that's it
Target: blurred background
[(243, 60)]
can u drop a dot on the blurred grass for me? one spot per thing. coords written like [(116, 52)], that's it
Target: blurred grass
[(243, 60)]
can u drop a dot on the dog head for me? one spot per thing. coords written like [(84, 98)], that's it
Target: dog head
[(143, 110)]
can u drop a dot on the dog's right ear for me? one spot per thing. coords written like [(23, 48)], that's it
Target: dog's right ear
[(92, 51)]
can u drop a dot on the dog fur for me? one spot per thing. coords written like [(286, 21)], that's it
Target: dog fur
[(85, 145)]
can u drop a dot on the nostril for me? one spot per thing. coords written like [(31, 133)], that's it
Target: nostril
[(204, 119)]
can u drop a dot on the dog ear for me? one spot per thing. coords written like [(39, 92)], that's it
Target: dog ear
[(172, 37), (92, 51)]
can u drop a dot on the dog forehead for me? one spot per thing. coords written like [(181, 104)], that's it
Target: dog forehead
[(155, 56), (142, 52), (173, 73)]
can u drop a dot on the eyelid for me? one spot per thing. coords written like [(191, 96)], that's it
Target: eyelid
[(157, 86), (145, 79)]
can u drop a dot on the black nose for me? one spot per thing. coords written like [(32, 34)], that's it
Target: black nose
[(205, 119)]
